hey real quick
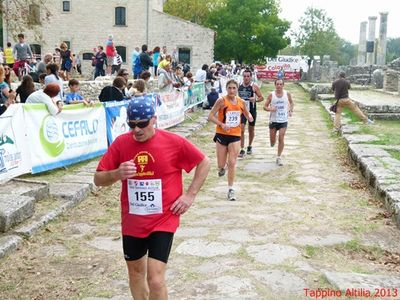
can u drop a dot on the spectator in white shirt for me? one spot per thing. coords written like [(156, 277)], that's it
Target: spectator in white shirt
[(47, 96), (201, 75)]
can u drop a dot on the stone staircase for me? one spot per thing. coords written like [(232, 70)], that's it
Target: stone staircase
[(27, 205)]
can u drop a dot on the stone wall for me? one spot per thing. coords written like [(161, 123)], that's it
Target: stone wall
[(391, 81)]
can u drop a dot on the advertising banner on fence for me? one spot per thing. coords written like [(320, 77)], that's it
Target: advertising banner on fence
[(116, 115), (14, 147), (194, 96), (78, 133), (170, 109), (290, 65)]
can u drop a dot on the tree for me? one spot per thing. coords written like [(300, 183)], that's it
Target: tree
[(248, 31), (317, 35), (21, 15), (348, 51), (196, 11), (393, 49)]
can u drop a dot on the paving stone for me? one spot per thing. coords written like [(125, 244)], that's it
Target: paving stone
[(358, 138), (226, 287), (54, 251), (213, 210), (9, 243), (280, 281), (205, 248), (236, 235), (192, 232), (272, 254), (305, 267), (277, 198), (107, 244), (260, 167), (349, 129), (24, 187), (79, 229), (368, 150), (113, 298), (78, 178), (14, 209), (320, 241), (39, 222), (74, 192), (344, 281), (217, 267)]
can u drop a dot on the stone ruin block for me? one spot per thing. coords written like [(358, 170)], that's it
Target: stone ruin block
[(14, 209)]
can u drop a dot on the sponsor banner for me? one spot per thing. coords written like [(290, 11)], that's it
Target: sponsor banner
[(14, 147), (264, 74), (170, 109), (78, 133), (116, 115), (289, 64), (194, 96)]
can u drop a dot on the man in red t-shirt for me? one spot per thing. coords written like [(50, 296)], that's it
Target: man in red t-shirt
[(149, 162)]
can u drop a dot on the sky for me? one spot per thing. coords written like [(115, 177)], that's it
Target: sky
[(346, 15)]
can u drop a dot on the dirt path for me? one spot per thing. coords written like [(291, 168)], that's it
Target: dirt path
[(289, 228)]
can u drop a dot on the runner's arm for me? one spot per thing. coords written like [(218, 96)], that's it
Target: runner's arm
[(105, 178), (291, 103), (219, 104), (258, 93), (247, 114), (267, 103), (182, 204)]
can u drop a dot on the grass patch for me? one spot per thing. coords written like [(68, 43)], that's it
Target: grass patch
[(311, 251), (394, 153), (362, 228), (388, 132), (350, 116)]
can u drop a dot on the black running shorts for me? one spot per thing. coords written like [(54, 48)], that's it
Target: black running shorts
[(225, 139), (277, 126), (157, 244), (254, 114)]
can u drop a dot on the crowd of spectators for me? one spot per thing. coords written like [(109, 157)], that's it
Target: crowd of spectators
[(62, 65)]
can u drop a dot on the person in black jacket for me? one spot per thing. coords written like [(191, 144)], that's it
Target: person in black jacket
[(113, 92), (145, 59)]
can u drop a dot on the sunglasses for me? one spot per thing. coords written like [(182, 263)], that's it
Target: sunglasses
[(142, 124)]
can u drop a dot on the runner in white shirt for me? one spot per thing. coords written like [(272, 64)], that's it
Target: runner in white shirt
[(280, 104)]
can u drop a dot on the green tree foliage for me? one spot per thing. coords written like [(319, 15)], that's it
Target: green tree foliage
[(393, 49), (317, 35), (248, 31), (196, 11), (348, 51)]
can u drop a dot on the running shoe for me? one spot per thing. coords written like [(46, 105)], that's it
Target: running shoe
[(242, 153), (370, 122), (249, 150), (279, 161), (231, 195), (221, 172)]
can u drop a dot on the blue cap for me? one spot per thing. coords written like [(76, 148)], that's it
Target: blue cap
[(140, 109)]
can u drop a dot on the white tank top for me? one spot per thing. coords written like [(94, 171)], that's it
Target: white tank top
[(282, 108)]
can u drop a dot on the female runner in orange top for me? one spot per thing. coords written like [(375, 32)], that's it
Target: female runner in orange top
[(228, 131)]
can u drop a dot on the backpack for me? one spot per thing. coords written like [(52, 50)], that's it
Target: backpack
[(137, 69)]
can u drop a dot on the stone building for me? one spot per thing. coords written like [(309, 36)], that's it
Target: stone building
[(85, 24)]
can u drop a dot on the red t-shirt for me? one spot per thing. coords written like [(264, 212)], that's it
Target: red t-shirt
[(159, 162)]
